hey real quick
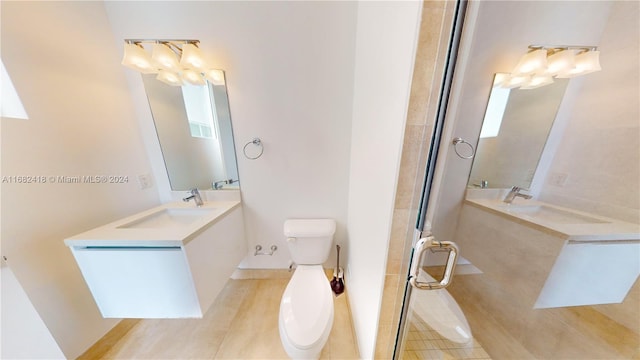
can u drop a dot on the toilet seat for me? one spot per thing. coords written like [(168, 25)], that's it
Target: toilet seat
[(306, 309)]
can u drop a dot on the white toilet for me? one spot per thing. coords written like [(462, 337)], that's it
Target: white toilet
[(306, 308)]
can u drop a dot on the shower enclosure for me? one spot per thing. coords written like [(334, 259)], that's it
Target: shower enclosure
[(478, 279)]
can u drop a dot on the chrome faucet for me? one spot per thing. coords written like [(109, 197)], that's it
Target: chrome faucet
[(515, 191), (218, 184), (195, 195)]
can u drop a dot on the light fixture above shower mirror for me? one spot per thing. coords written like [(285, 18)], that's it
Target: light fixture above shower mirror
[(541, 64), (514, 133), (176, 62)]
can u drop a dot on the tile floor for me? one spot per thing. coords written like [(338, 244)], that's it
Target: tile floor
[(422, 342), (241, 324)]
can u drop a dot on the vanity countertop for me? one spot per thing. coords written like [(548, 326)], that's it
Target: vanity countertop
[(567, 223), (155, 227)]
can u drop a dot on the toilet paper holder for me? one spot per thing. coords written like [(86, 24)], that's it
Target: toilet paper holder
[(260, 252)]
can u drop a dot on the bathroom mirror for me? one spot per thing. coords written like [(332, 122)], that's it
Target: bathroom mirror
[(193, 125), (514, 132)]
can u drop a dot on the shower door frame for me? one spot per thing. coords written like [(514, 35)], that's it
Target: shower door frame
[(433, 161)]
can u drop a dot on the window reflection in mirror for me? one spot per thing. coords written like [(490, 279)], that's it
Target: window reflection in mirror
[(514, 132), (193, 125), (197, 103)]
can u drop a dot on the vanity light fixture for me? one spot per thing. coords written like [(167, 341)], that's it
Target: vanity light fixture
[(177, 62), (165, 57), (535, 61), (537, 81), (541, 64), (169, 78), (215, 76), (136, 58)]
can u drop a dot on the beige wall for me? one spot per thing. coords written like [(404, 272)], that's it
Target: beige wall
[(430, 54), (599, 149)]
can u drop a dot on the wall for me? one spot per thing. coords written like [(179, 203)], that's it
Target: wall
[(81, 123), (384, 64), (289, 72), (431, 55), (495, 44), (599, 150), (24, 334)]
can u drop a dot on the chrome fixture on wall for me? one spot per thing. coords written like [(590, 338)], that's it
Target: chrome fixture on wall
[(259, 251), (542, 63), (470, 150), (177, 62), (257, 142)]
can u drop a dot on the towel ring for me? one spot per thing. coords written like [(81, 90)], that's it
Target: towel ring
[(457, 141), (256, 142)]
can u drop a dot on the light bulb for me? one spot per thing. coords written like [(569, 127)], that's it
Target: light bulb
[(514, 81), (215, 76), (561, 62), (193, 77), (165, 57), (169, 78), (586, 62), (135, 57), (192, 57), (532, 62), (537, 81)]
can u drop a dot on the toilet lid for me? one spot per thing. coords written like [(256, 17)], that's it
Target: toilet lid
[(307, 306)]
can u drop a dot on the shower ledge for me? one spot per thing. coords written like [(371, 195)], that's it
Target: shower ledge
[(569, 224)]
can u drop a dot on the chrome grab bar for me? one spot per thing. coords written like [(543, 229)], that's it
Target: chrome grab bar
[(430, 243)]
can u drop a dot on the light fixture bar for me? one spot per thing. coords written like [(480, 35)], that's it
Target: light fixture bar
[(153, 41), (555, 48), (541, 63)]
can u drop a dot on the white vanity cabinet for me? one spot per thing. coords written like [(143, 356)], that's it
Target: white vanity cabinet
[(139, 282), (164, 269)]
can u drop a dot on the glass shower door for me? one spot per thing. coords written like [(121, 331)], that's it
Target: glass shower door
[(485, 285)]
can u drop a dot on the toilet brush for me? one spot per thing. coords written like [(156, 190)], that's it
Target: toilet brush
[(337, 283)]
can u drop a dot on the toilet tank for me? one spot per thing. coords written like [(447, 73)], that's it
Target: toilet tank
[(309, 240)]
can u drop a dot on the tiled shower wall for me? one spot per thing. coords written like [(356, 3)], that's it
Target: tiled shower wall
[(427, 79)]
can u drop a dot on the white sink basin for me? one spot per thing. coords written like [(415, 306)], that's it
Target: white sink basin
[(168, 218), (551, 214)]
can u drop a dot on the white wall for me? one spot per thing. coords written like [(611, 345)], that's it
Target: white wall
[(385, 49), (599, 150), (24, 334), (289, 70), (65, 66)]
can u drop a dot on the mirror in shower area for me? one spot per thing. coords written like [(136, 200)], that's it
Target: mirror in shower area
[(193, 125), (514, 132)]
